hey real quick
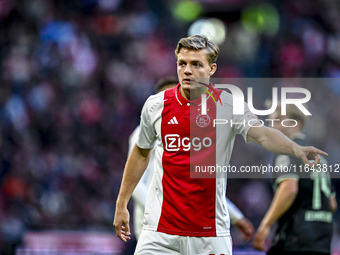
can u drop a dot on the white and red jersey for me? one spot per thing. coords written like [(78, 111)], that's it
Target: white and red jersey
[(176, 203)]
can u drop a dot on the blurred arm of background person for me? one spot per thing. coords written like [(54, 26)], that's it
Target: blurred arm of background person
[(242, 223), (282, 201), (332, 200), (283, 198)]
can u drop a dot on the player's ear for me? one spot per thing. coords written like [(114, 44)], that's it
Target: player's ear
[(213, 68)]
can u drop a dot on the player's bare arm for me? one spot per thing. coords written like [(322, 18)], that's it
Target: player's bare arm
[(135, 166), (274, 141), (282, 201), (333, 203)]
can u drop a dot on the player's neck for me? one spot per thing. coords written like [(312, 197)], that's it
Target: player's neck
[(190, 94)]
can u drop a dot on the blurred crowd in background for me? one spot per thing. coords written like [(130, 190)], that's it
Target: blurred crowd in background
[(75, 74)]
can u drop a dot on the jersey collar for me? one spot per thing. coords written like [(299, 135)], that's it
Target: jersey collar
[(183, 101)]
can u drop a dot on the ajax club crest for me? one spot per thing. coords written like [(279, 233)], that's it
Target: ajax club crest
[(202, 120)]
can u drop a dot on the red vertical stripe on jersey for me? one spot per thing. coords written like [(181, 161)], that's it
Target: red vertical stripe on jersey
[(188, 203)]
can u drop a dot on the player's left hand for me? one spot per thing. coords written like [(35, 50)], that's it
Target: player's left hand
[(121, 223), (247, 229), (309, 153), (260, 238)]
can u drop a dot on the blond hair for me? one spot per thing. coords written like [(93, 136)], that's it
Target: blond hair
[(199, 42)]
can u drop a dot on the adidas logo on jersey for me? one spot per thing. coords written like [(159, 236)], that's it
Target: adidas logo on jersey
[(173, 120)]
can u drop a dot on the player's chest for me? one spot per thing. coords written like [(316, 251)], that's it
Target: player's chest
[(182, 125)]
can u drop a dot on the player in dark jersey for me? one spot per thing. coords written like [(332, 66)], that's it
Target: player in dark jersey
[(304, 201)]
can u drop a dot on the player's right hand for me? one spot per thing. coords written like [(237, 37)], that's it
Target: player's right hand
[(121, 223), (310, 153)]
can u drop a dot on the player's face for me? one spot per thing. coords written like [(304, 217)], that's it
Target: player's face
[(193, 65)]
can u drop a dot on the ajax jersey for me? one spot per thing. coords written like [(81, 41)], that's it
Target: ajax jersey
[(176, 202)]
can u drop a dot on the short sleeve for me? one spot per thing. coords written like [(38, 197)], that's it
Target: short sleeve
[(147, 134), (282, 164), (242, 123)]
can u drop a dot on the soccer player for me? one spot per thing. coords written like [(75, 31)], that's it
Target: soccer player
[(185, 215), (139, 194), (302, 206)]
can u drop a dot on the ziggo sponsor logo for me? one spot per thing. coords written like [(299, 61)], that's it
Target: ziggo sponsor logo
[(173, 142)]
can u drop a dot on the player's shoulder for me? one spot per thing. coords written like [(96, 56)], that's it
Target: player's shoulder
[(157, 100), (154, 98)]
